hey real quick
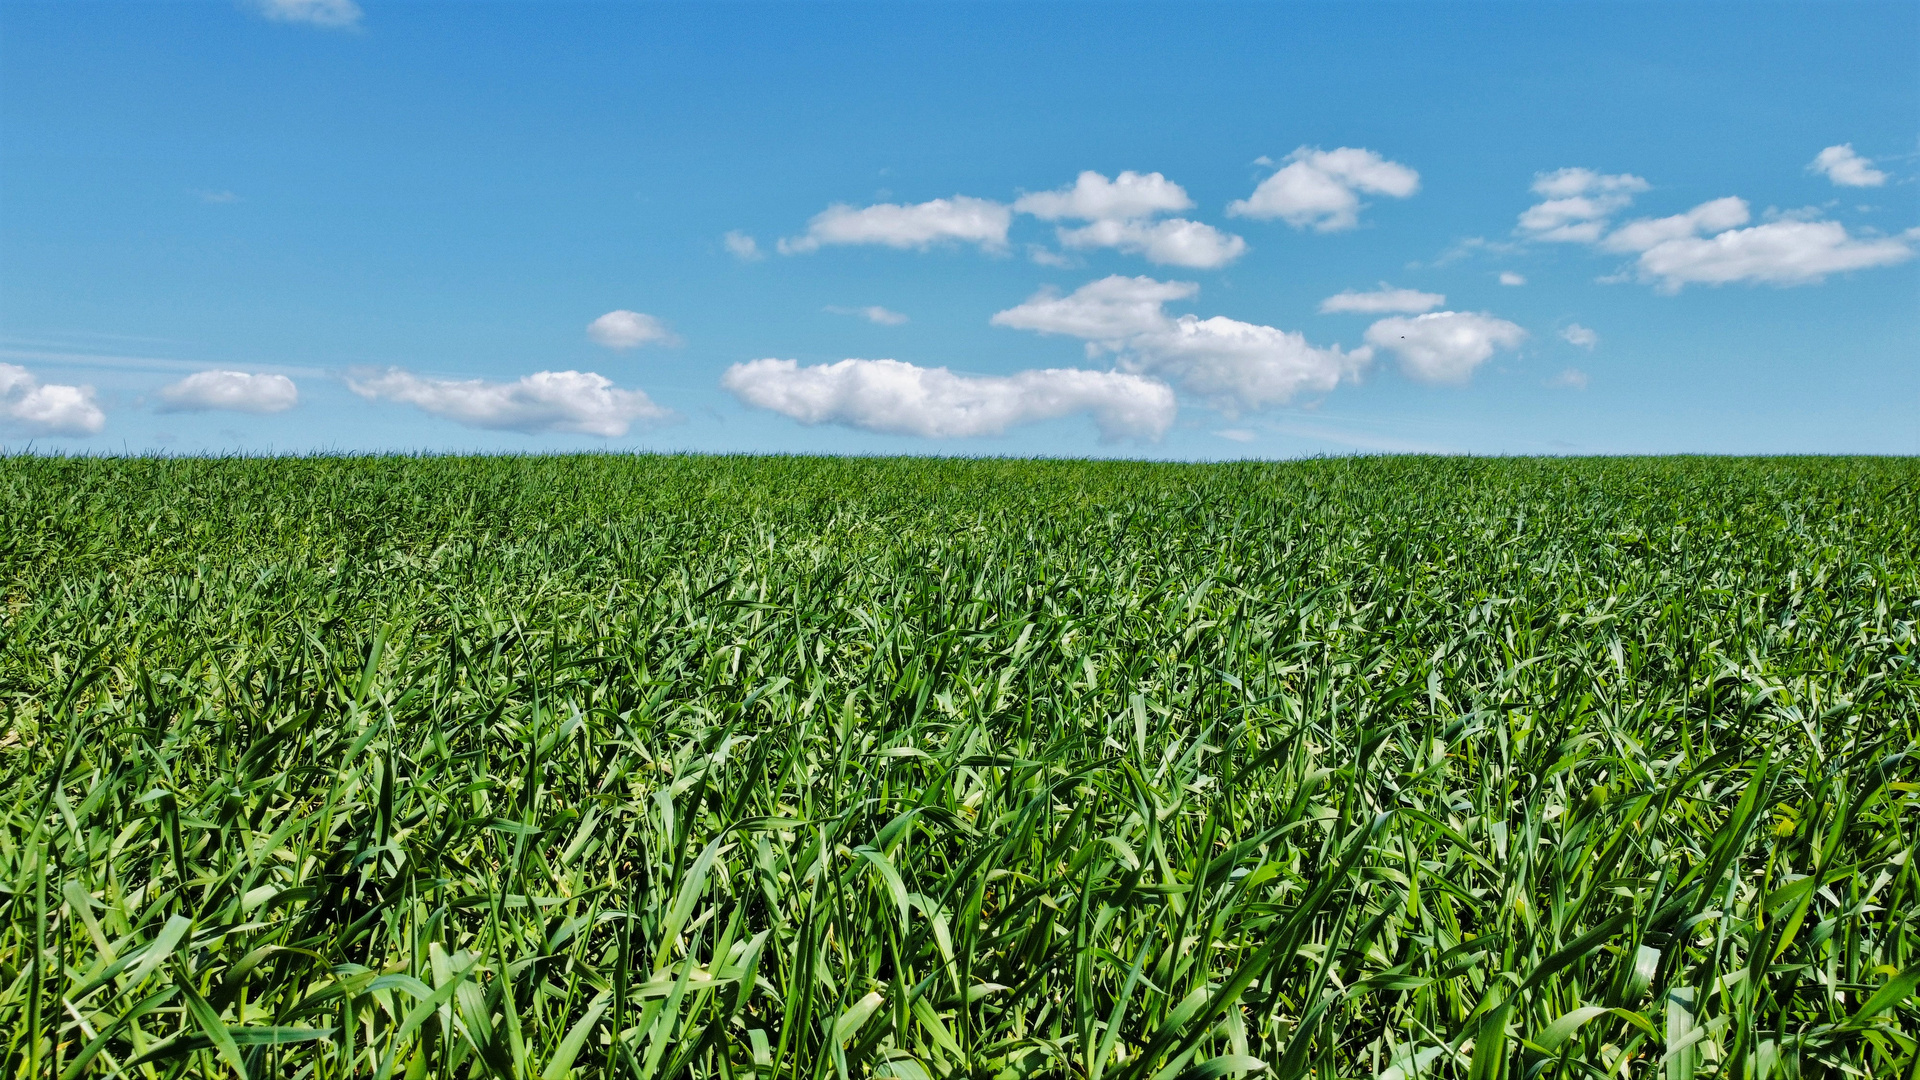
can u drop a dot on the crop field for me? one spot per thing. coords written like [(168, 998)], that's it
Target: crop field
[(612, 766)]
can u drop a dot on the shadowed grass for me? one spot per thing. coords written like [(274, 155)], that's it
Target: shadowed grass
[(728, 767)]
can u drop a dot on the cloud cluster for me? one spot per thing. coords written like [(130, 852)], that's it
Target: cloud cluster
[(1234, 365), (1576, 204), (46, 408), (1707, 246), (1381, 301), (1120, 214), (896, 398), (332, 14), (1846, 168), (1444, 346), (1713, 243), (581, 402), (234, 391), (630, 329), (961, 219), (1321, 189)]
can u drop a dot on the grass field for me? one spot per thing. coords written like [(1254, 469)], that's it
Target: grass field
[(718, 767)]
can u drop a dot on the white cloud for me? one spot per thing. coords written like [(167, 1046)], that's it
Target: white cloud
[(1239, 435), (1172, 242), (1108, 310), (1321, 188), (333, 14), (1093, 197), (235, 391), (582, 402), (1570, 379), (1444, 346), (630, 329), (1847, 169), (1577, 204), (1709, 217), (1381, 301), (742, 247), (896, 398), (1776, 253), (47, 408), (1235, 365), (1583, 336), (875, 314), (1508, 277), (961, 219)]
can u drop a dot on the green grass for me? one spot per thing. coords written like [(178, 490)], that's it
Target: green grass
[(720, 767)]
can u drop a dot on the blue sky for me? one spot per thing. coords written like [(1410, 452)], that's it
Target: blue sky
[(1060, 229)]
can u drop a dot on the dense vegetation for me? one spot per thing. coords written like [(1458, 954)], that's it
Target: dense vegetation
[(651, 767)]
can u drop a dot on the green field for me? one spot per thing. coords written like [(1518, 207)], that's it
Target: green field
[(724, 767)]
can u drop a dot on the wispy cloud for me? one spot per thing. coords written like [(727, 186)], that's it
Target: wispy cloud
[(873, 313)]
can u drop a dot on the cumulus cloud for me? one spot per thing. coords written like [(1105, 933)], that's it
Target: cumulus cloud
[(1570, 379), (1776, 253), (1238, 365), (897, 398), (1583, 336), (1577, 203), (1444, 346), (234, 391), (1120, 213), (332, 14), (1109, 310), (1708, 217), (581, 402), (874, 313), (630, 329), (46, 408), (1092, 197), (961, 219), (1172, 242), (742, 247), (1235, 365), (1321, 188), (1381, 301), (1508, 277), (1847, 169)]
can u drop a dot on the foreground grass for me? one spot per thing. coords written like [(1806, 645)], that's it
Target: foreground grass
[(605, 767)]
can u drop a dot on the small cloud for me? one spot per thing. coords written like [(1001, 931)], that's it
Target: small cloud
[(742, 247), (1171, 242), (875, 314), (1584, 337), (1239, 435), (217, 198), (235, 391), (630, 329), (1444, 346), (331, 14), (1382, 301), (1846, 168), (1320, 189), (1508, 277), (1577, 203), (1093, 197), (580, 402), (46, 408), (1045, 257), (1570, 379), (919, 226)]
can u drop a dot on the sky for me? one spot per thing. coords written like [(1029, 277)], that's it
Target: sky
[(1182, 231)]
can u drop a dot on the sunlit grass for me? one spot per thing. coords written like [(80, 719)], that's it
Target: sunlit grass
[(651, 767)]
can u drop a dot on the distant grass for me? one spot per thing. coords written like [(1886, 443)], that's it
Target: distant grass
[(730, 767)]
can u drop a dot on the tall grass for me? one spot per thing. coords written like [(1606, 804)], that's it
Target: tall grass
[(670, 767)]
